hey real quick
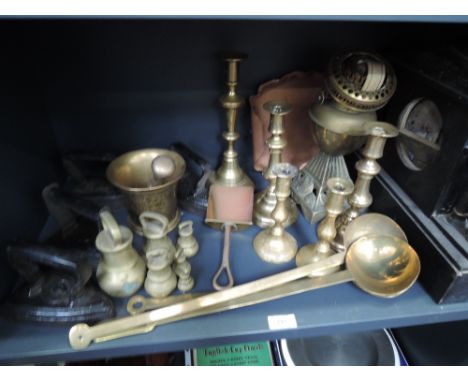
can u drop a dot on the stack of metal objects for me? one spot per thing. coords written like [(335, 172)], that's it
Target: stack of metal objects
[(369, 249)]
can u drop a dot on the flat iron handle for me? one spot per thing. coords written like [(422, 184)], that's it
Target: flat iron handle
[(225, 264)]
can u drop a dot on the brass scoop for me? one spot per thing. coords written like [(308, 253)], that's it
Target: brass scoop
[(384, 266)]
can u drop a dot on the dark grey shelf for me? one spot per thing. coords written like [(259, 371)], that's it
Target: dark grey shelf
[(358, 18), (371, 18), (341, 308)]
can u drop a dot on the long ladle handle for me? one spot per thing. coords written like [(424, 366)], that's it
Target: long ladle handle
[(289, 289), (225, 266), (139, 303), (81, 335), (283, 290)]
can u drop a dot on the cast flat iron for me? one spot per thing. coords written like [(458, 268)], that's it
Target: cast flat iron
[(53, 286), (87, 178)]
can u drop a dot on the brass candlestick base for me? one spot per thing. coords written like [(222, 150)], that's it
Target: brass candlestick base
[(367, 168), (338, 190), (265, 201), (275, 249), (274, 244), (230, 173)]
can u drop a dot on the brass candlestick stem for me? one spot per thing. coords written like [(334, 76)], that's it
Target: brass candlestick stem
[(338, 190), (274, 244), (230, 173), (367, 168), (265, 201)]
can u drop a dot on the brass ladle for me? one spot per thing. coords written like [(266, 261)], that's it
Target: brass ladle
[(384, 266)]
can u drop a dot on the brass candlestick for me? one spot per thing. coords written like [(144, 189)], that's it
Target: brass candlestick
[(265, 201), (230, 173), (274, 244), (367, 168), (338, 190)]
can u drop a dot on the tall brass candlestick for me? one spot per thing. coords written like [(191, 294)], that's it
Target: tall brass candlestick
[(274, 244), (230, 173), (367, 168), (338, 190), (265, 201)]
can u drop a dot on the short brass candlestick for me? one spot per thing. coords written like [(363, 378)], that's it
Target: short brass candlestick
[(265, 201), (367, 168), (274, 244), (230, 173), (338, 190)]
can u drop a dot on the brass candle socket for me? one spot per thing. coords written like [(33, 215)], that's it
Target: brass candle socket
[(367, 168), (338, 190), (265, 201), (230, 173), (274, 244)]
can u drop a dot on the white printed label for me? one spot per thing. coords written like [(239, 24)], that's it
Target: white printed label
[(283, 321)]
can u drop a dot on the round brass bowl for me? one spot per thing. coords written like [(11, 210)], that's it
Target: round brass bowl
[(384, 266), (132, 173)]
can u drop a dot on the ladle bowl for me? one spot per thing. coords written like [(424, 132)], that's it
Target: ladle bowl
[(384, 266), (371, 224)]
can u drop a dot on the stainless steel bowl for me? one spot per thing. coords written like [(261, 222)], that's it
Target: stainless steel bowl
[(374, 348)]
